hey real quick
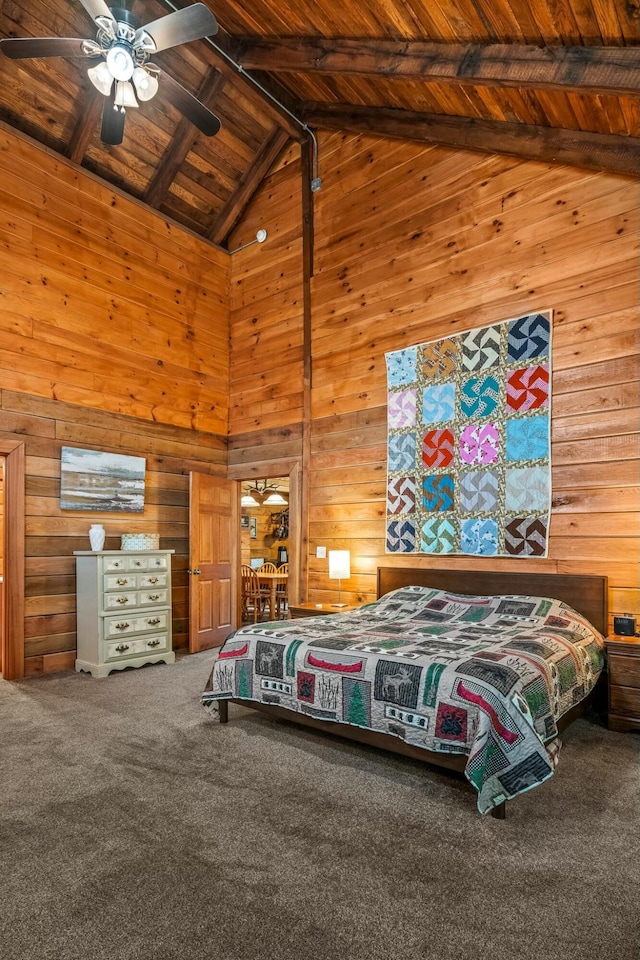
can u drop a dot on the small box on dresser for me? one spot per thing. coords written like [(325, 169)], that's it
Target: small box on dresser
[(123, 602), (623, 665)]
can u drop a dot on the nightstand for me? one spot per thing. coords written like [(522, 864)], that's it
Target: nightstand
[(623, 664), (299, 610)]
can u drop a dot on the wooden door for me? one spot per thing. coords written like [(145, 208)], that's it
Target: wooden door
[(12, 633), (213, 561)]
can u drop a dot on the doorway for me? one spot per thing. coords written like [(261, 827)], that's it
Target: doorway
[(270, 529)]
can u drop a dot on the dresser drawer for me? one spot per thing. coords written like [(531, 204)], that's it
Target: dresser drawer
[(624, 671), (129, 647), (123, 600), (112, 564), (153, 598), (125, 626), (120, 600), (134, 581), (152, 580), (625, 701), (120, 581)]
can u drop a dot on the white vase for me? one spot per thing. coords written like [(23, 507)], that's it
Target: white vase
[(96, 536)]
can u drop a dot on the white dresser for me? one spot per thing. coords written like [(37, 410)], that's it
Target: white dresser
[(123, 602)]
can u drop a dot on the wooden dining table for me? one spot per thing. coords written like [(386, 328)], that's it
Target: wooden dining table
[(272, 580)]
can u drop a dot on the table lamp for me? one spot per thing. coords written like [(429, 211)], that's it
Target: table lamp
[(339, 569)]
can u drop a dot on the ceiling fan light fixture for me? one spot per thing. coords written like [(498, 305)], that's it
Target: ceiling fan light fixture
[(101, 78), (143, 41), (125, 96), (107, 25), (145, 83), (120, 62)]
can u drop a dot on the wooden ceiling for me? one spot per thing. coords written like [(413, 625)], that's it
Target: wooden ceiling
[(555, 80)]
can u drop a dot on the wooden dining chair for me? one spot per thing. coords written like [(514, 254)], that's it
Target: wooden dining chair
[(265, 587), (282, 594), (253, 598)]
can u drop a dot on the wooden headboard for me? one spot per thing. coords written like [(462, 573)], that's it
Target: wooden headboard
[(587, 595)]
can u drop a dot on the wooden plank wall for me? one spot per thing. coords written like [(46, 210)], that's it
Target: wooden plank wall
[(413, 242), (113, 336), (266, 333), (53, 534), (103, 302)]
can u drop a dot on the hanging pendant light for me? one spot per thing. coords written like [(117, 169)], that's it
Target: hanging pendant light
[(275, 500)]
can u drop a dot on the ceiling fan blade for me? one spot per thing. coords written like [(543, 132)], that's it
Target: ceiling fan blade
[(191, 23), (28, 47), (112, 131), (97, 8), (188, 105)]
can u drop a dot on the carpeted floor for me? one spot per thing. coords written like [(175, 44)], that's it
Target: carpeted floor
[(134, 826)]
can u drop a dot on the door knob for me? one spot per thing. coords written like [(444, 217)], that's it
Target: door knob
[(196, 572)]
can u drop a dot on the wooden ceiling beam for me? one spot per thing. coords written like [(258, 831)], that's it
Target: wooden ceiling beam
[(594, 151), (219, 52), (237, 203), (89, 119), (614, 70), (181, 143)]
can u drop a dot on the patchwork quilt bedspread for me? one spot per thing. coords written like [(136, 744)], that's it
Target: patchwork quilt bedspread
[(487, 677)]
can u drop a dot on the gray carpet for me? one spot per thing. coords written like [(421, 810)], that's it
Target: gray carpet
[(134, 826)]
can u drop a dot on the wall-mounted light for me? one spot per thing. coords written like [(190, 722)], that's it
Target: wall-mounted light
[(260, 237)]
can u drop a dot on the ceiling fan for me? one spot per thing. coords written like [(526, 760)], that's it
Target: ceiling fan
[(124, 74)]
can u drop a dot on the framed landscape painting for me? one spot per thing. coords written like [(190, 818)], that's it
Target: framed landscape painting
[(93, 480)]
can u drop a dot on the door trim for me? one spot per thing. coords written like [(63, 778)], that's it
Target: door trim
[(13, 587), (271, 472)]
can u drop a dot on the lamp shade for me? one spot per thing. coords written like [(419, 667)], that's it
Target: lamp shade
[(339, 564), (248, 501), (120, 62), (275, 499), (125, 96), (101, 78), (145, 83)]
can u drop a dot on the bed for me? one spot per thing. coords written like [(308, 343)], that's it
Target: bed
[(475, 671)]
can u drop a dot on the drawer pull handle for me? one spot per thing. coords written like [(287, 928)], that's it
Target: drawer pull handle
[(154, 596), (122, 626), (154, 622), (116, 564), (138, 563), (122, 582), (154, 579), (122, 647), (122, 600), (153, 643)]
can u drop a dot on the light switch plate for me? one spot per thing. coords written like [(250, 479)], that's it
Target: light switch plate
[(321, 553)]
